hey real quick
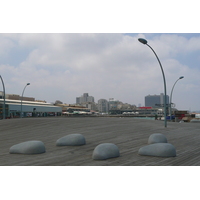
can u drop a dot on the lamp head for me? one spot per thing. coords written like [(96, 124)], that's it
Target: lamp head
[(181, 77), (28, 84), (143, 41)]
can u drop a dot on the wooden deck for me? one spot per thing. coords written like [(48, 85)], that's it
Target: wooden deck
[(129, 134)]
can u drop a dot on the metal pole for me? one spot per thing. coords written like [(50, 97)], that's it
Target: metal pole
[(4, 102), (22, 98), (170, 111), (165, 90)]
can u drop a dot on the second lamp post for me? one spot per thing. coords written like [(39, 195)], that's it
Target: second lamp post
[(170, 104), (22, 98)]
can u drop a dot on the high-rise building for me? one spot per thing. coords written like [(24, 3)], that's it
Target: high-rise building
[(103, 105), (84, 99), (156, 100), (90, 99)]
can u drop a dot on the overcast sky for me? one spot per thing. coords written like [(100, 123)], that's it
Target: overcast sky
[(64, 66), (52, 46)]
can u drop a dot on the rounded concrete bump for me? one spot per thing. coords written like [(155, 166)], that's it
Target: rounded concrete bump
[(28, 147), (71, 140), (105, 151), (195, 121), (158, 150), (157, 138)]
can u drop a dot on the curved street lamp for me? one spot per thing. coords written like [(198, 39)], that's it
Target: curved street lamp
[(143, 41), (4, 102), (170, 111), (22, 97)]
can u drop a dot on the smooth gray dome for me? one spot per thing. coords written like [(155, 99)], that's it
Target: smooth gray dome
[(158, 149), (71, 140), (29, 147), (157, 138), (105, 151), (195, 121)]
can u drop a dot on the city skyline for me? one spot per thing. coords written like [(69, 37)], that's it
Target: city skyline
[(84, 98)]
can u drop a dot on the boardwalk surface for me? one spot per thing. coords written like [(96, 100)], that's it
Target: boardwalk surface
[(129, 134)]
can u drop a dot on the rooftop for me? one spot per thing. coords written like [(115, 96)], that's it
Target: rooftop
[(129, 134)]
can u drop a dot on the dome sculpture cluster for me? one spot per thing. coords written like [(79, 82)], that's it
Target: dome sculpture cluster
[(157, 146)]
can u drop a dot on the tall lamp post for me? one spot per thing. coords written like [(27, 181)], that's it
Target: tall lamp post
[(143, 41), (4, 102), (22, 97), (170, 111)]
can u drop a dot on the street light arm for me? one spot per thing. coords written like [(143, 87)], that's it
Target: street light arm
[(172, 91), (143, 41), (165, 90), (170, 105), (25, 88), (160, 65), (22, 97), (23, 92)]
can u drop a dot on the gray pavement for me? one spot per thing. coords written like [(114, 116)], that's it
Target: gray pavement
[(129, 134)]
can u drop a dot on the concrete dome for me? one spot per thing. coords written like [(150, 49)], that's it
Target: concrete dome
[(195, 121), (29, 147), (158, 149), (71, 140), (157, 138), (105, 151)]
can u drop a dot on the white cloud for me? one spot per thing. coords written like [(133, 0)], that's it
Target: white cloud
[(64, 66)]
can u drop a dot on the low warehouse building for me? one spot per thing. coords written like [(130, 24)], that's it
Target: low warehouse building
[(29, 108)]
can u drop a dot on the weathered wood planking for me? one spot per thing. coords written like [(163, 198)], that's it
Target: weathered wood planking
[(129, 134)]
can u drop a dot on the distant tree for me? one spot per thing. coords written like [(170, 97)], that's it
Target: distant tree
[(58, 102)]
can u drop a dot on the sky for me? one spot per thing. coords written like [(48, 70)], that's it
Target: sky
[(63, 66)]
